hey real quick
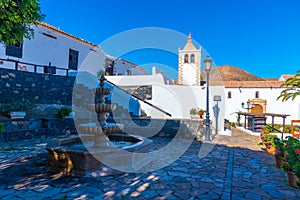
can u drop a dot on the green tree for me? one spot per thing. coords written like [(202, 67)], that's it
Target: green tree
[(292, 86), (16, 16)]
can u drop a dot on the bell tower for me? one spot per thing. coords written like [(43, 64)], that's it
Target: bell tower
[(189, 61)]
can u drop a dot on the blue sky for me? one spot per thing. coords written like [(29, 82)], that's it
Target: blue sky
[(259, 36)]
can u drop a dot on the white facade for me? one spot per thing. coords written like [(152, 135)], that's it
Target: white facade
[(51, 45), (270, 95), (176, 100)]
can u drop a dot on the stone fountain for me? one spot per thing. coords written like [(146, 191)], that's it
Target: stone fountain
[(96, 144)]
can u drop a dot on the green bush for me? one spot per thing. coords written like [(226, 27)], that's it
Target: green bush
[(268, 129), (288, 129), (233, 124), (63, 112)]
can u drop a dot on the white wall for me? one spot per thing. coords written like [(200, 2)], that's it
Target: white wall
[(167, 80), (136, 80), (189, 74), (178, 100), (273, 105), (174, 99)]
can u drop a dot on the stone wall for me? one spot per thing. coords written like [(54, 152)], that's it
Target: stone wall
[(164, 128), (38, 88), (24, 129)]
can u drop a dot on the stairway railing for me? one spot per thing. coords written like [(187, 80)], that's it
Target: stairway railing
[(275, 129)]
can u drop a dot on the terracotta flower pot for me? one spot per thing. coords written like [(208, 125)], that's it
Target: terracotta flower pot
[(278, 161), (292, 179), (270, 150)]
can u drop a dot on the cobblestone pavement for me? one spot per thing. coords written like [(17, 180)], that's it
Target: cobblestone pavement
[(236, 168)]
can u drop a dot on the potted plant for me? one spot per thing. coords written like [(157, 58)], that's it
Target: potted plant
[(279, 151), (265, 131), (291, 161), (269, 143), (201, 113), (193, 112)]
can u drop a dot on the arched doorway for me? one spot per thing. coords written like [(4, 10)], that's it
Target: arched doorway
[(260, 105), (257, 109)]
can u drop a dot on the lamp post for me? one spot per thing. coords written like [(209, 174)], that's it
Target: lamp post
[(248, 106), (207, 64)]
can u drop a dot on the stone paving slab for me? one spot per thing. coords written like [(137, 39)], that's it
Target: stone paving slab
[(229, 171)]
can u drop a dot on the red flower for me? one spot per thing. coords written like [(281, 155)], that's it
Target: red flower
[(298, 151)]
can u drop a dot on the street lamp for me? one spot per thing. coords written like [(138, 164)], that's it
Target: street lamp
[(207, 64), (249, 107)]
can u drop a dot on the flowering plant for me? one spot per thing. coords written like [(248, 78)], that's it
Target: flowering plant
[(291, 158), (268, 140), (279, 147), (197, 111), (201, 113)]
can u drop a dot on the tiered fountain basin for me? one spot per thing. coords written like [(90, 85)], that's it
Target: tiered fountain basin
[(102, 108), (76, 155), (102, 91), (107, 128)]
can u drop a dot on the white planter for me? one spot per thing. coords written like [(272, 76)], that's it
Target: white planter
[(17, 114)]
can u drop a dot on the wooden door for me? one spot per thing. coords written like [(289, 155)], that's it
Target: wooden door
[(257, 109)]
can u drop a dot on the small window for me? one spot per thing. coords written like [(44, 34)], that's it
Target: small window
[(14, 50), (186, 58), (73, 59), (128, 72), (257, 94), (229, 95), (192, 58)]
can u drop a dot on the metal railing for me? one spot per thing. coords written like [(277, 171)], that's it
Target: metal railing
[(275, 129), (146, 102), (34, 68)]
